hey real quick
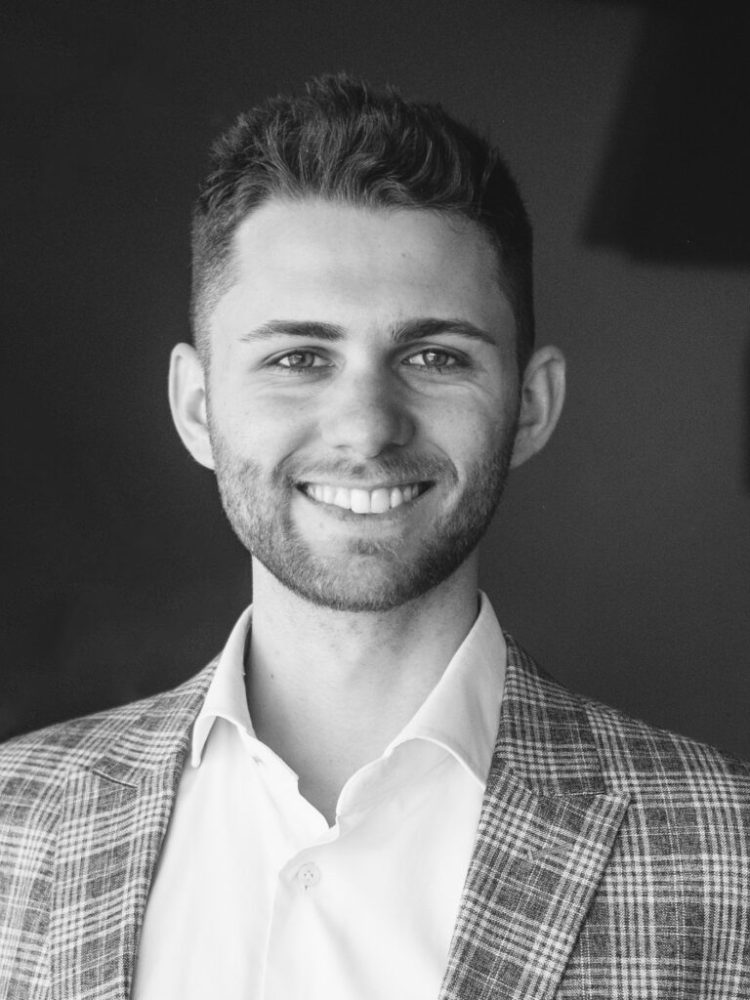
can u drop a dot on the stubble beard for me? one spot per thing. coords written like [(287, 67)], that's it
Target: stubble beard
[(373, 575)]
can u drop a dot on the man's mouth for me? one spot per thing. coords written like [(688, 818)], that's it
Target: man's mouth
[(378, 500)]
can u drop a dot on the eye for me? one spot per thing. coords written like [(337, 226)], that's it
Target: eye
[(433, 358), (300, 360)]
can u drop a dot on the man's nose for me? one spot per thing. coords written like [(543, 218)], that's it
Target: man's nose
[(365, 414)]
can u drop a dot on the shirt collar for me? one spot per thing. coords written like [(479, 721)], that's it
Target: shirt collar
[(226, 697), (460, 714)]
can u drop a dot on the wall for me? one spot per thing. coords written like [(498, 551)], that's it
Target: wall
[(621, 556)]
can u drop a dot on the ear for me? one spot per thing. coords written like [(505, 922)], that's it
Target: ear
[(187, 399), (542, 397)]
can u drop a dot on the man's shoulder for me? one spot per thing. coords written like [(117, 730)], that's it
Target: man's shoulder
[(36, 763), (649, 757), (648, 762)]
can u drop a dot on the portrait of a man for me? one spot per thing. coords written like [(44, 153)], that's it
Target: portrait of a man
[(372, 790)]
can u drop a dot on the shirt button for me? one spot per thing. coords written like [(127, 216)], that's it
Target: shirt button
[(308, 875)]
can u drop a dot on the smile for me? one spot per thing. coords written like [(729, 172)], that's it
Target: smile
[(360, 501)]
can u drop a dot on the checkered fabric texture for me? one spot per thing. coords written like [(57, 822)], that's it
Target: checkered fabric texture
[(612, 860)]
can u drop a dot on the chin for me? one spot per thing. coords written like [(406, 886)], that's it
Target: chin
[(367, 580)]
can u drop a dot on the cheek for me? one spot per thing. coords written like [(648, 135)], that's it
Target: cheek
[(261, 426), (468, 432)]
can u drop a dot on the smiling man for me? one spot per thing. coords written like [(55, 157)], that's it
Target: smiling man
[(358, 396), (372, 793)]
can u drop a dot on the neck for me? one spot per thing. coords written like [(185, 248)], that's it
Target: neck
[(328, 690)]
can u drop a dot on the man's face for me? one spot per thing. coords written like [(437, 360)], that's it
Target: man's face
[(362, 397)]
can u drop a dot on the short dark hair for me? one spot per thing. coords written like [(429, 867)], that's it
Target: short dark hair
[(345, 141)]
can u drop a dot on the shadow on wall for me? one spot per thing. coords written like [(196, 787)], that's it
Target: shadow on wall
[(674, 185)]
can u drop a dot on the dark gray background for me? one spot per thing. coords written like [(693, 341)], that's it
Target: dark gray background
[(621, 556)]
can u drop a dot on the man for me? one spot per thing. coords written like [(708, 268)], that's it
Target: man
[(372, 792)]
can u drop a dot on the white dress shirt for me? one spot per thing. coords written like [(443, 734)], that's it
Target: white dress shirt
[(257, 898)]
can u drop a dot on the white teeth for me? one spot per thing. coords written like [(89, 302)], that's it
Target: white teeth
[(360, 501), (380, 501), (341, 498)]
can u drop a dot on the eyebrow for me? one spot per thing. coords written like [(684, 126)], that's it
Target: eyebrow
[(416, 329)]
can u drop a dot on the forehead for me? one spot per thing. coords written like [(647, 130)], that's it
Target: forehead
[(317, 259)]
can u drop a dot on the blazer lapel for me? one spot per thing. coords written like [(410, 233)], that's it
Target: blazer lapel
[(115, 814), (547, 829)]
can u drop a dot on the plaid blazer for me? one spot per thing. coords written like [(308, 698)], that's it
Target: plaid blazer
[(611, 858)]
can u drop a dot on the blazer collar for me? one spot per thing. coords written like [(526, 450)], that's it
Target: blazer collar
[(547, 828), (114, 817)]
